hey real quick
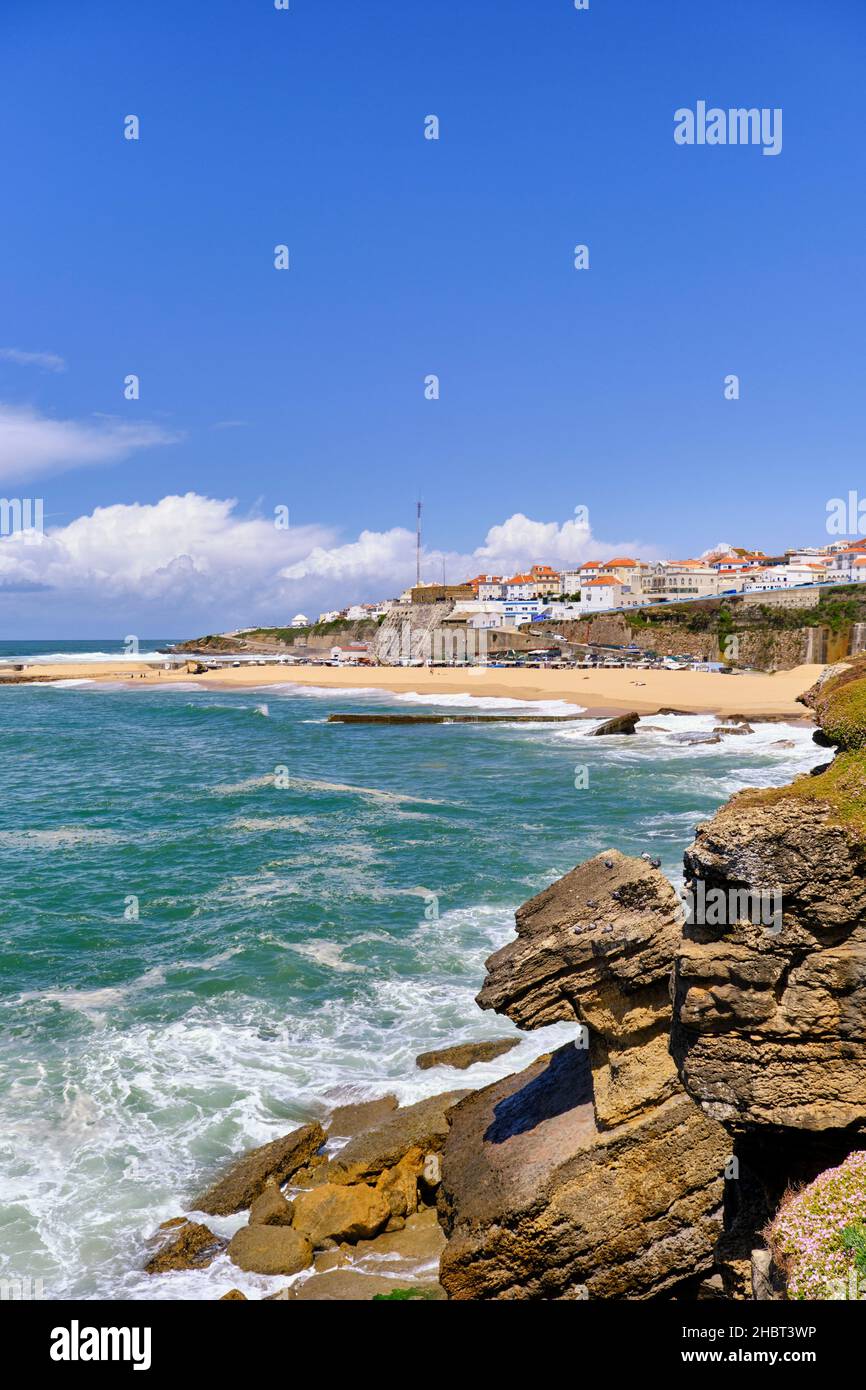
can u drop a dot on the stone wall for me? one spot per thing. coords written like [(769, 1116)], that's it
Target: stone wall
[(612, 629), (782, 598)]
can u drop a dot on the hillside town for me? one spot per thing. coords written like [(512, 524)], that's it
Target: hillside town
[(543, 593)]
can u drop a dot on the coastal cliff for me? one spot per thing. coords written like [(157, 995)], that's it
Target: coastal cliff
[(591, 1174), (768, 1020), (719, 1063)]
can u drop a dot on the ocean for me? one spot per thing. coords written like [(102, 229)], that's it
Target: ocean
[(198, 955)]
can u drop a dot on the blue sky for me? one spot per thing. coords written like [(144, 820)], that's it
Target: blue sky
[(304, 388)]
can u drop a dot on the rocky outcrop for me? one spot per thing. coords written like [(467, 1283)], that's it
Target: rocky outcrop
[(597, 948), (246, 1178), (423, 1125), (186, 1245), (368, 1209), (348, 1120), (769, 990), (620, 724), (591, 1173), (463, 1055), (538, 1203), (768, 1015)]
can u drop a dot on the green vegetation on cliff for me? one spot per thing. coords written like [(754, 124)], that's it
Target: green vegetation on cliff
[(839, 701), (842, 786), (266, 638), (840, 705), (289, 635), (836, 608)]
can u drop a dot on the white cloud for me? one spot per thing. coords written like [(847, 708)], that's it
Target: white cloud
[(31, 443), (519, 542), (179, 548), (49, 361), (190, 554), (386, 555)]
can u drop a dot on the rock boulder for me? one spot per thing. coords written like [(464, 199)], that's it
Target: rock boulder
[(186, 1245), (340, 1212), (270, 1250), (463, 1055), (597, 948), (423, 1125), (246, 1178), (348, 1120), (271, 1208), (538, 1204), (620, 724)]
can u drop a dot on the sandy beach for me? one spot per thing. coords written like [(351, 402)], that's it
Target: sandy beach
[(648, 692)]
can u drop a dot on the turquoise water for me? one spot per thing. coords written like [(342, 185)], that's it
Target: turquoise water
[(295, 945), (96, 649)]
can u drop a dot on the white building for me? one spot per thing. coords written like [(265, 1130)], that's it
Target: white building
[(590, 569), (843, 565), (492, 588), (520, 586), (520, 611), (331, 616), (676, 579), (492, 613), (622, 567), (351, 654), (600, 593), (787, 576), (689, 579), (743, 561), (562, 612), (299, 620), (569, 581)]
